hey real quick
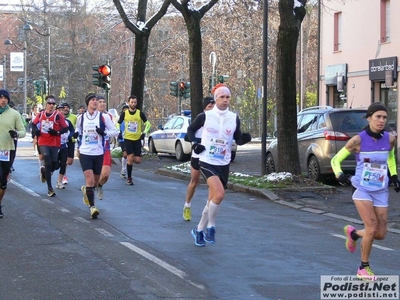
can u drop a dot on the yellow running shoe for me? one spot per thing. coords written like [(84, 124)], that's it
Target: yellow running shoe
[(85, 197), (187, 214), (94, 212)]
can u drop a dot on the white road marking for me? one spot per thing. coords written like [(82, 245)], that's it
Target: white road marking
[(62, 209), (161, 263), (373, 245), (103, 232), (29, 191), (80, 219), (47, 201)]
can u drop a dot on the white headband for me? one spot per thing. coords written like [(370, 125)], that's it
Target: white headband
[(222, 90)]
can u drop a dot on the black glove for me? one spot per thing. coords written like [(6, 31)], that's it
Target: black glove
[(51, 131), (246, 137), (395, 182), (75, 135), (13, 134), (344, 179), (142, 136), (100, 131), (198, 148)]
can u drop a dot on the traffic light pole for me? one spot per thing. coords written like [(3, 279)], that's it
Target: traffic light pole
[(179, 105), (107, 99)]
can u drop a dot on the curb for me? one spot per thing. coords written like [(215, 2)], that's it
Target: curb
[(270, 195)]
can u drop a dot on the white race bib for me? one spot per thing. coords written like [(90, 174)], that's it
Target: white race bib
[(218, 148), (374, 175), (4, 155)]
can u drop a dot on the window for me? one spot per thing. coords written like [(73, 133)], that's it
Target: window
[(385, 21), (321, 122), (169, 124), (337, 28), (178, 124), (307, 123)]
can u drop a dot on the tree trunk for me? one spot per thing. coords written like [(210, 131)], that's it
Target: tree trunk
[(139, 67), (195, 63), (290, 21)]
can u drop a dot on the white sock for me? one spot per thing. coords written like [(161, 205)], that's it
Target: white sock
[(124, 162), (204, 219), (188, 204), (213, 210)]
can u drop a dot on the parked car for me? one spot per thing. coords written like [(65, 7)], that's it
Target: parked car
[(321, 132), (169, 138)]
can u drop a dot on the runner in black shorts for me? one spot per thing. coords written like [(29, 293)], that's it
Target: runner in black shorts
[(208, 103), (133, 133)]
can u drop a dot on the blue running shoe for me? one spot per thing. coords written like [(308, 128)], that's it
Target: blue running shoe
[(210, 235), (198, 237)]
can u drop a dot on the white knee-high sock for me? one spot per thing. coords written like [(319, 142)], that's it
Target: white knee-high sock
[(204, 219), (124, 162), (213, 210)]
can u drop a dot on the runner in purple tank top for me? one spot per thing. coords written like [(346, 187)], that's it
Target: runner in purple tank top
[(374, 151)]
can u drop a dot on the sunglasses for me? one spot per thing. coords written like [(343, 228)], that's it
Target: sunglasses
[(51, 103)]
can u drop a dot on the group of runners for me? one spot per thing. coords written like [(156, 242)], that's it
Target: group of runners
[(211, 134)]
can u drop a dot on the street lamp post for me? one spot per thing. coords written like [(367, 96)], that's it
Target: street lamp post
[(9, 42), (29, 27), (4, 71)]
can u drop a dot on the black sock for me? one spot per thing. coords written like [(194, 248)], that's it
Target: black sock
[(129, 169), (354, 235), (90, 195), (364, 264), (99, 185)]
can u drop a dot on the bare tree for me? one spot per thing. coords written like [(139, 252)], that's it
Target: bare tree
[(291, 16), (142, 31), (192, 19)]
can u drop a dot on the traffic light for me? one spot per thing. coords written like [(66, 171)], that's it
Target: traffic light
[(173, 87), (181, 89), (96, 78), (38, 87), (187, 90), (105, 79), (45, 87), (223, 78)]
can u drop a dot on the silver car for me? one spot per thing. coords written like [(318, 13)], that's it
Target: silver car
[(321, 132)]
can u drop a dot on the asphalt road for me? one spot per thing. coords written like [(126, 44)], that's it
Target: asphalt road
[(334, 199), (140, 247)]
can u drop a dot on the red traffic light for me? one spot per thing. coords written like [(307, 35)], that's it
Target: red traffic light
[(181, 86), (105, 70)]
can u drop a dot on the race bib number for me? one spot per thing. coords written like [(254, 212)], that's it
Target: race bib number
[(46, 125), (90, 135), (4, 155), (132, 127), (218, 148), (373, 175), (64, 138)]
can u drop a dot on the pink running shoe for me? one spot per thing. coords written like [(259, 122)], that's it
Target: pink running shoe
[(366, 274), (351, 244)]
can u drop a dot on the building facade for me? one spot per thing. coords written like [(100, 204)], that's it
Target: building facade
[(360, 44)]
